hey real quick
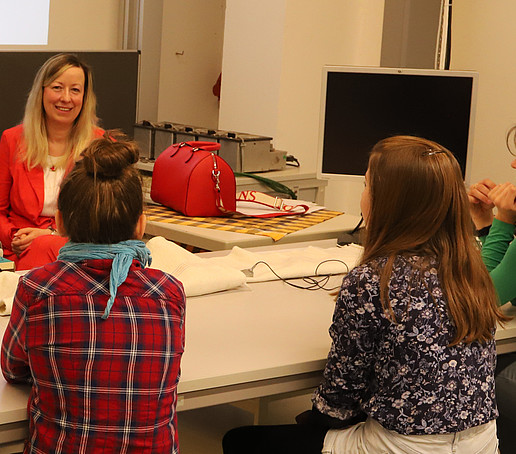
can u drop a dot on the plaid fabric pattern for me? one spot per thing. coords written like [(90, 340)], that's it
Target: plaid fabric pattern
[(97, 385), (275, 228)]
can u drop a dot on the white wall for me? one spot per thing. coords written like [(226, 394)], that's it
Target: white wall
[(149, 36), (191, 55), (82, 25), (251, 66), (272, 58), (274, 52), (483, 39), (348, 33)]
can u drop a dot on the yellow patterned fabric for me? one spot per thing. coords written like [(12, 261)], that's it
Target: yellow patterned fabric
[(275, 228)]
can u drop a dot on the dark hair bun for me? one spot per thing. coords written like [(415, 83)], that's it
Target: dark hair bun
[(101, 199), (108, 156)]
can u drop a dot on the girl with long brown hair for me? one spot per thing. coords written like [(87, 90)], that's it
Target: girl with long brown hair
[(413, 350)]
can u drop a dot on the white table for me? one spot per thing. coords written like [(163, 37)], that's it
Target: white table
[(239, 345), (506, 337), (304, 184), (219, 240), (243, 344)]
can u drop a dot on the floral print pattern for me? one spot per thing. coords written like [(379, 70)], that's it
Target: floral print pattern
[(404, 374)]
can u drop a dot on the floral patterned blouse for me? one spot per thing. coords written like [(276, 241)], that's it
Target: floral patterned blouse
[(404, 374)]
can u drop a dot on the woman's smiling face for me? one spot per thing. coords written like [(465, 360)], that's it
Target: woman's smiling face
[(63, 97)]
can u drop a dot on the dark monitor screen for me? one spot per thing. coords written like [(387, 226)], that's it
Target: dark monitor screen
[(361, 106)]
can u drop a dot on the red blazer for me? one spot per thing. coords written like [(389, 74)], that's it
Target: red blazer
[(21, 189)]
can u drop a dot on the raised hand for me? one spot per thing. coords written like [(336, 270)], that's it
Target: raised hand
[(504, 198), (480, 205)]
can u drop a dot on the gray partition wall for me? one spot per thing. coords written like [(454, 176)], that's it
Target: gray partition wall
[(410, 32), (115, 80)]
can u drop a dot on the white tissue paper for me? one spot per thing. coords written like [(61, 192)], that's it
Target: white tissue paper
[(8, 285), (198, 276), (292, 263), (201, 276)]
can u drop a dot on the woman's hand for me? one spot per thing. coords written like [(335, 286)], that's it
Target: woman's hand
[(480, 205), (24, 237), (504, 198)]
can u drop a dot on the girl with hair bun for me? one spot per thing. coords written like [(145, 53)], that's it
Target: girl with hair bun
[(106, 333)]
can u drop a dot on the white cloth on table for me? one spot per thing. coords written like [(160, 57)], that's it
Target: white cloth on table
[(292, 263), (204, 275), (198, 276), (8, 285)]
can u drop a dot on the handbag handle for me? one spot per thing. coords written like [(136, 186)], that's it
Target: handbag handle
[(196, 146), (200, 145)]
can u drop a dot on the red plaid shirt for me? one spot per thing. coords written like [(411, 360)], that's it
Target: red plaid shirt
[(97, 385)]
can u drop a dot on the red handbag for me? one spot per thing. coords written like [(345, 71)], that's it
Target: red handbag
[(191, 178)]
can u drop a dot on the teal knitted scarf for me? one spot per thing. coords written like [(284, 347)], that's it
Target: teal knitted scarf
[(122, 254)]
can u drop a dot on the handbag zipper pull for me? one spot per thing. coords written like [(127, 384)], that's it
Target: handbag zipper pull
[(215, 173)]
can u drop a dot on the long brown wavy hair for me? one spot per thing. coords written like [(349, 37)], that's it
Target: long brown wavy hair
[(419, 206)]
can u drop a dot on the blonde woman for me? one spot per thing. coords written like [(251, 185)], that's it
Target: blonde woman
[(59, 122)]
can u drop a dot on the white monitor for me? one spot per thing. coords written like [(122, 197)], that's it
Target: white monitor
[(362, 105)]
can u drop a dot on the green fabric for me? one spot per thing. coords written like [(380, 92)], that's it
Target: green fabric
[(274, 185), (499, 255)]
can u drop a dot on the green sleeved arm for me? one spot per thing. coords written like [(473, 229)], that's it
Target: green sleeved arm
[(499, 256)]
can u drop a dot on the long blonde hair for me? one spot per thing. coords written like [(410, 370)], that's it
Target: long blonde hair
[(419, 206), (35, 140)]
